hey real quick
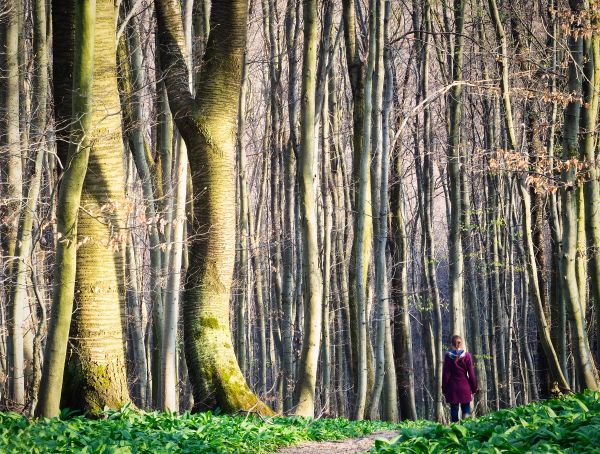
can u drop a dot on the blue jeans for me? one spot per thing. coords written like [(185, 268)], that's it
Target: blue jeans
[(465, 410)]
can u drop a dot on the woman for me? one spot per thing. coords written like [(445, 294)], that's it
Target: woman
[(458, 379)]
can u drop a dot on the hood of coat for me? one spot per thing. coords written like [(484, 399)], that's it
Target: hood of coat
[(456, 354)]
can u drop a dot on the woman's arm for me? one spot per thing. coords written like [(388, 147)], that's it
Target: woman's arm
[(471, 372), (445, 375)]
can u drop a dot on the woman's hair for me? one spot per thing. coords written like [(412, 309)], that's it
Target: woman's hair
[(453, 340)]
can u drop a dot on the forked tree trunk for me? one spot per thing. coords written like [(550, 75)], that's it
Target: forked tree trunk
[(208, 124), (361, 243)]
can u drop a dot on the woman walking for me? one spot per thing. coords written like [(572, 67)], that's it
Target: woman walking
[(458, 379)]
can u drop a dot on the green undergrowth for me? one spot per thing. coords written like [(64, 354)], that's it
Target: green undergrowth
[(127, 431), (568, 425)]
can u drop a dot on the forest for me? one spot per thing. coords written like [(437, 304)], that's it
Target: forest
[(287, 208)]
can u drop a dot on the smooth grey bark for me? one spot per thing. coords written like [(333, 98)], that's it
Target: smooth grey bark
[(455, 253), (307, 373), (292, 27)]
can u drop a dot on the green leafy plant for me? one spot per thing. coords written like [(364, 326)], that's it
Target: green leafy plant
[(128, 431), (568, 425)]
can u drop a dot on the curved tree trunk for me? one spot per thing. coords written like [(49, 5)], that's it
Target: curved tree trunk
[(208, 126), (95, 373), (69, 202)]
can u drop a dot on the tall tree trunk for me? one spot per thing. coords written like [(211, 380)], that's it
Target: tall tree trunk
[(356, 72), (390, 385), (169, 379), (307, 373), (240, 303), (255, 223), (363, 228), (164, 139), (68, 206), (588, 142), (403, 349), (14, 193), (327, 255), (430, 262), (207, 124), (95, 371), (468, 241), (456, 260), (380, 270), (584, 362), (292, 25)]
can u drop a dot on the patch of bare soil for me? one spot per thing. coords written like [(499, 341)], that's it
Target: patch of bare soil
[(349, 446)]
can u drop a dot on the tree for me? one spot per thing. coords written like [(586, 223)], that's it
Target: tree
[(583, 358), (455, 253), (95, 374), (307, 376), (207, 124), (68, 208), (14, 192)]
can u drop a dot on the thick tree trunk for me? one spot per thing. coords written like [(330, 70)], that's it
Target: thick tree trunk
[(68, 207), (208, 124), (95, 375)]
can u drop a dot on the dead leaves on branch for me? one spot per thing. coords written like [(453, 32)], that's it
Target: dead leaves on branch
[(542, 173), (579, 24)]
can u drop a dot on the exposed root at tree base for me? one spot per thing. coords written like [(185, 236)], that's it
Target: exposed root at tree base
[(348, 446)]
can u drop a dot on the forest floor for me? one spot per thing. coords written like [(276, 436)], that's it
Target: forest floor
[(567, 425), (348, 446)]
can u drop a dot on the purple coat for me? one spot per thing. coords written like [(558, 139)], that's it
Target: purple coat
[(458, 379)]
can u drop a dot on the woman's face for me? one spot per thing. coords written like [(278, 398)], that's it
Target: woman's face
[(457, 343)]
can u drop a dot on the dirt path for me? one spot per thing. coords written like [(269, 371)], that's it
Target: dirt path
[(349, 446)]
